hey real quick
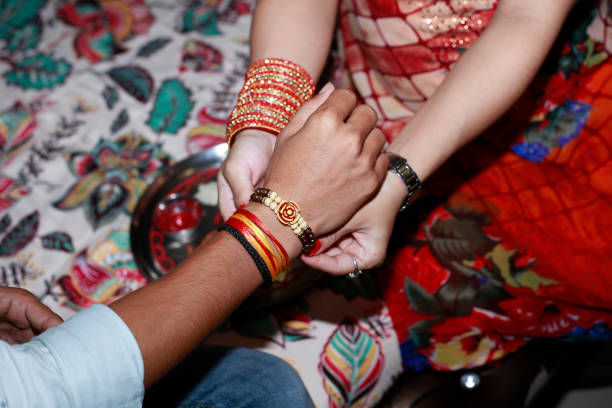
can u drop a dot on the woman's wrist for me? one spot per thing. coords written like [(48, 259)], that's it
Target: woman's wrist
[(394, 191), (258, 134)]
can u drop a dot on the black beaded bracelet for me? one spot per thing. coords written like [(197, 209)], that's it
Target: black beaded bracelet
[(259, 262)]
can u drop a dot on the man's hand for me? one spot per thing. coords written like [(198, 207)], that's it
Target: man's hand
[(245, 166), (23, 316), (332, 164)]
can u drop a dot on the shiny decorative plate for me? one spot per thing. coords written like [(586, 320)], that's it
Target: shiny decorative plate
[(179, 210)]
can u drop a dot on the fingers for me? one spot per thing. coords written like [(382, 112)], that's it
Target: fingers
[(373, 144), (363, 118), (337, 264), (226, 199), (307, 109), (22, 315), (42, 318), (381, 167), (14, 335), (241, 185), (335, 109), (39, 316)]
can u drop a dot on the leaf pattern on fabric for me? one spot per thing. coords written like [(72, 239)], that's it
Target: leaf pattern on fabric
[(109, 259), (10, 192), (296, 326), (172, 107), (20, 236), (92, 281), (557, 128), (201, 57), (104, 25), (26, 37), (200, 16), (111, 96), (5, 222), (73, 299), (59, 241), (151, 47), (38, 71), (351, 364), (210, 132), (120, 121), (420, 300), (16, 14), (112, 177), (516, 272), (459, 239), (133, 79), (17, 125)]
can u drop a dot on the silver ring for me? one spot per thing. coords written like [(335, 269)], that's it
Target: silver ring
[(357, 271)]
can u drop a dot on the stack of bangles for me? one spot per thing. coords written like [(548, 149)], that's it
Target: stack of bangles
[(267, 253), (273, 91)]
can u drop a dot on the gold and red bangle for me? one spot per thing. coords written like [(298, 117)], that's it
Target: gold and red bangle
[(288, 213), (271, 258), (273, 91)]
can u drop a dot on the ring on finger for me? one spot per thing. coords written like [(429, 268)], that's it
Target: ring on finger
[(356, 272)]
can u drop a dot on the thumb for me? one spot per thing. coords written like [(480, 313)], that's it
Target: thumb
[(308, 109), (239, 183)]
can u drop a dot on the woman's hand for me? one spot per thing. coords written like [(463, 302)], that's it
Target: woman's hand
[(23, 316), (243, 169), (365, 236)]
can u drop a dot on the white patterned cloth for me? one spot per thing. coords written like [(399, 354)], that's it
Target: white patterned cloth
[(99, 99)]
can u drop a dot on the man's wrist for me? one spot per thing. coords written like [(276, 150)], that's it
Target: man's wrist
[(281, 232)]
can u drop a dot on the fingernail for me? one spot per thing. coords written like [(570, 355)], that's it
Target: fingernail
[(314, 250), (326, 88)]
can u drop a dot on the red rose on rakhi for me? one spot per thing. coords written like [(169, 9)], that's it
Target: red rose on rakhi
[(288, 212)]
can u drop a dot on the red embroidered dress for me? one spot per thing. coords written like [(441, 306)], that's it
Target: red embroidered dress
[(511, 239)]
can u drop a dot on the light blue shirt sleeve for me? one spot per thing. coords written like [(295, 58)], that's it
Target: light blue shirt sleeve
[(91, 360)]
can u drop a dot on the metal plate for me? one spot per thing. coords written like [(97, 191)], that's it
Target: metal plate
[(157, 252)]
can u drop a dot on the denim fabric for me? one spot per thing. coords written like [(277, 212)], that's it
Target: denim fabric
[(220, 377)]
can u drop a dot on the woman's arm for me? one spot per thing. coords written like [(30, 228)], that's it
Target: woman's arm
[(300, 31), (484, 83)]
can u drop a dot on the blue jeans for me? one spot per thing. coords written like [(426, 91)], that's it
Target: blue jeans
[(221, 377)]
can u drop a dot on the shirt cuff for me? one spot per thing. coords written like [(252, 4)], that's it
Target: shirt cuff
[(99, 359)]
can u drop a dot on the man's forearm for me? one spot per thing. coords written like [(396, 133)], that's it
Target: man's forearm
[(485, 82), (171, 316), (298, 30)]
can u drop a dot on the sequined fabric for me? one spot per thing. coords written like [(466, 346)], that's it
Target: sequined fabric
[(398, 52)]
